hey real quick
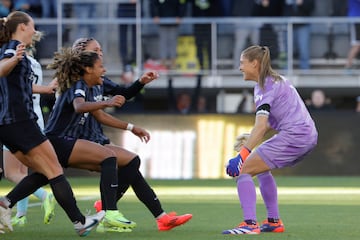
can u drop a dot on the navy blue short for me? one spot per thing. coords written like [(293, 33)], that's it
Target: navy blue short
[(21, 136), (63, 147)]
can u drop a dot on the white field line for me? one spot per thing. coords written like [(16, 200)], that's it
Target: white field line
[(87, 194), (204, 191)]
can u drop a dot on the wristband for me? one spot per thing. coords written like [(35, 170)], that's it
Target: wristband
[(244, 153), (130, 127)]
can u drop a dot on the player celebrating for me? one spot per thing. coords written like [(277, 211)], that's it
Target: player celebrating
[(19, 131), (278, 107), (128, 162), (13, 168)]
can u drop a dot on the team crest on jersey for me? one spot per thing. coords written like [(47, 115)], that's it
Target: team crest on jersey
[(98, 98), (258, 97)]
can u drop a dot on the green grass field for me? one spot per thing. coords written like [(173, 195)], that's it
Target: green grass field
[(319, 208)]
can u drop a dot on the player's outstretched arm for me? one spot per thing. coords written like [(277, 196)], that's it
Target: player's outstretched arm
[(108, 120), (81, 106)]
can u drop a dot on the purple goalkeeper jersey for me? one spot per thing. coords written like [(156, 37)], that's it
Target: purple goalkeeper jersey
[(297, 134), (287, 110)]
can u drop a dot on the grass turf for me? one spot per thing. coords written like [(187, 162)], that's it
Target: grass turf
[(311, 208)]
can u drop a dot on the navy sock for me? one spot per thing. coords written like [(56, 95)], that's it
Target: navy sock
[(26, 187), (109, 183), (130, 175), (64, 196)]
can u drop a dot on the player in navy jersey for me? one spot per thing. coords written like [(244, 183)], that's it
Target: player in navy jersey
[(14, 169), (278, 107), (19, 131), (128, 162), (79, 74)]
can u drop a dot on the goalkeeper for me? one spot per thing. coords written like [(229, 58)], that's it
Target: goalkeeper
[(278, 107)]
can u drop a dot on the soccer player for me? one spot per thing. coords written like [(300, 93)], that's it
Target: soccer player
[(278, 107), (14, 169), (21, 134), (128, 162), (78, 75)]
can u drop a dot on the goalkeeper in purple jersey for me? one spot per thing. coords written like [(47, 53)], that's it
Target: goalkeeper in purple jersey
[(278, 107)]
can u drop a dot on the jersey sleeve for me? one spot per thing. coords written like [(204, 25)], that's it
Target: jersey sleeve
[(9, 50), (79, 90)]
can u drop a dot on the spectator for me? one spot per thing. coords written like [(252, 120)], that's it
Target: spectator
[(227, 7), (184, 103), (32, 7), (319, 101), (202, 105), (269, 34), (127, 45), (202, 32), (85, 11), (244, 34), (168, 33), (301, 32), (5, 7), (357, 104), (49, 8), (353, 11)]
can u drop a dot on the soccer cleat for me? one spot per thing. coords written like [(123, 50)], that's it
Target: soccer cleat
[(277, 227), (101, 228), (244, 228), (90, 223), (114, 218), (19, 221), (5, 215), (171, 220), (49, 207)]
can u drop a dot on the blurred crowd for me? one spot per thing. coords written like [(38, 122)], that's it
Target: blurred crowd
[(244, 35)]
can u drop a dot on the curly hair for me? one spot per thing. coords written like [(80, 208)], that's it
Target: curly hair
[(69, 65)]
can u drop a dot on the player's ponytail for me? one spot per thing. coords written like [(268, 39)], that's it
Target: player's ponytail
[(262, 55), (8, 25)]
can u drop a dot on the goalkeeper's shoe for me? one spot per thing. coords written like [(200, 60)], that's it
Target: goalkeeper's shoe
[(90, 223), (171, 220), (5, 215), (244, 228), (49, 207), (102, 228), (19, 221), (114, 218), (276, 226)]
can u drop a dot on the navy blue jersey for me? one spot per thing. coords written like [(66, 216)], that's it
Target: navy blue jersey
[(92, 129), (96, 133), (16, 89), (111, 88), (65, 122)]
